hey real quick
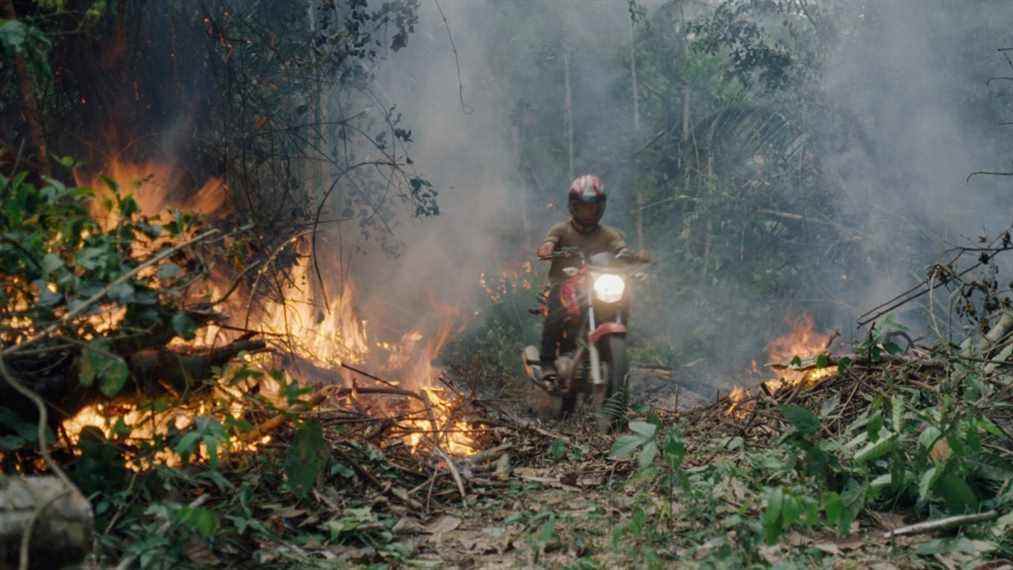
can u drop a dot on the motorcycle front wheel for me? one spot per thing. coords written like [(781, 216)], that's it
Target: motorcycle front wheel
[(616, 397)]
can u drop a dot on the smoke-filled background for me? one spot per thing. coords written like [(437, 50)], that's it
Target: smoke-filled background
[(785, 161)]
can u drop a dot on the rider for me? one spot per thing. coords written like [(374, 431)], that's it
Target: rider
[(583, 231)]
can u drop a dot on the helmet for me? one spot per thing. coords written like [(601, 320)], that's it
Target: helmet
[(587, 189)]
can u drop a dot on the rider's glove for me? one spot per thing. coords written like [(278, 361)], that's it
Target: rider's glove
[(545, 250)]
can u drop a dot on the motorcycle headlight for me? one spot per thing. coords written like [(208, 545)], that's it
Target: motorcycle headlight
[(609, 288)]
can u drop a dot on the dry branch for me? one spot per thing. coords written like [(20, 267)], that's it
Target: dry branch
[(941, 524)]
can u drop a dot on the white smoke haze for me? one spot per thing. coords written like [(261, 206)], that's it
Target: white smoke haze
[(910, 74), (913, 76)]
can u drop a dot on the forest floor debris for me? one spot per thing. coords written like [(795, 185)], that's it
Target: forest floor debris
[(695, 487)]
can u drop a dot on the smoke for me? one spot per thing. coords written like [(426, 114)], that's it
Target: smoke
[(910, 77), (909, 118), (453, 103)]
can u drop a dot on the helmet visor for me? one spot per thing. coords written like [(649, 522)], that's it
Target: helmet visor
[(586, 212)]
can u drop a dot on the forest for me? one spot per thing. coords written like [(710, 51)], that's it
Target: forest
[(272, 279)]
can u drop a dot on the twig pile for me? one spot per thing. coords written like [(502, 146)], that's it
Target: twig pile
[(839, 399)]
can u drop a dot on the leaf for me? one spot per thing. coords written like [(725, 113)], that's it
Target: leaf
[(625, 446), (928, 437), (882, 481), (187, 443), (122, 292), (791, 510), (805, 422), (874, 450), (184, 325), (98, 363), (834, 507), (648, 454), (875, 424), (200, 519), (675, 450), (12, 35), (343, 470), (12, 442), (956, 493), (771, 518), (843, 364), (898, 413), (168, 271), (928, 481), (822, 360), (50, 264), (305, 458), (644, 429)]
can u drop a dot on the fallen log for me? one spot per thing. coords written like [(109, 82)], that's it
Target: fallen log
[(153, 372), (156, 368), (60, 522)]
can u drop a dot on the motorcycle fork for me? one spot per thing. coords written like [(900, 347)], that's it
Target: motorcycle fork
[(592, 349)]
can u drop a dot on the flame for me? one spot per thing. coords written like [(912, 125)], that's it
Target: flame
[(324, 333), (509, 280), (448, 432), (154, 186), (739, 408), (802, 341), (130, 422)]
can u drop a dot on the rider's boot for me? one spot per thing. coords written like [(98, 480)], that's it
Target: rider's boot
[(548, 370)]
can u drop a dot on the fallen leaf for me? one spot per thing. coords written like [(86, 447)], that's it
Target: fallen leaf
[(888, 521), (851, 542), (503, 467), (446, 523), (774, 555), (408, 525), (200, 553), (828, 548)]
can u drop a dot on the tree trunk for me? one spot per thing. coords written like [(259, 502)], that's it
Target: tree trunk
[(634, 75), (31, 104), (515, 139), (568, 108), (61, 522), (640, 220)]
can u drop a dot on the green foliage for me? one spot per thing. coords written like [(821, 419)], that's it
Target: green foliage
[(54, 257), (20, 39), (99, 363), (306, 458), (642, 439), (503, 326)]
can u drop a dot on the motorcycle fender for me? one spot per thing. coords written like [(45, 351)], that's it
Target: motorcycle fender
[(606, 329)]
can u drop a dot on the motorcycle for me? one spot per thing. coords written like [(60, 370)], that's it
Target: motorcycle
[(591, 364)]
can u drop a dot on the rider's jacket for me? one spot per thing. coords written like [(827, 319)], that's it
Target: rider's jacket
[(564, 234)]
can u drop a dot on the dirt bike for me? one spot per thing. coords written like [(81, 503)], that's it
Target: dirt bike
[(591, 361)]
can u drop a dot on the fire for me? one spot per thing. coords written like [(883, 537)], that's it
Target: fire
[(739, 407), (510, 280), (324, 333), (155, 187), (451, 434), (133, 423), (802, 342)]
